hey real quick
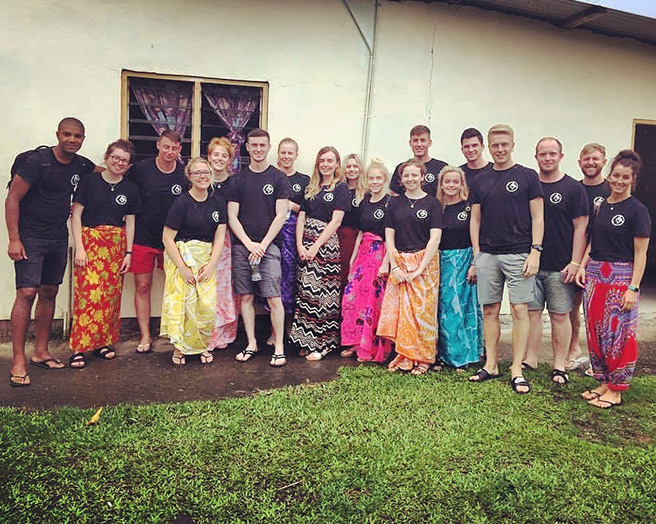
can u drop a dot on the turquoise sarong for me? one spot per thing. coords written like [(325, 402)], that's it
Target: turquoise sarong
[(460, 317)]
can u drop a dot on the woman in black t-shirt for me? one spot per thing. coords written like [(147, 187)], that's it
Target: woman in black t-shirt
[(460, 319), (315, 328), (220, 152), (611, 271), (413, 227), (363, 294), (193, 238), (102, 221), (348, 231)]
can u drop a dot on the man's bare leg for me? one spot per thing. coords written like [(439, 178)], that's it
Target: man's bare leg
[(142, 286), (561, 334), (574, 350), (43, 315), (20, 320), (491, 334), (248, 317), (277, 324), (519, 341)]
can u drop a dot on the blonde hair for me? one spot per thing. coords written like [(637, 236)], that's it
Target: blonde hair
[(199, 160), (377, 163), (314, 186), (501, 129), (288, 140), (464, 189), (592, 147), (361, 187)]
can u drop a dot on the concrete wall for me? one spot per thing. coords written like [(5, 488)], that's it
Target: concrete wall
[(450, 67)]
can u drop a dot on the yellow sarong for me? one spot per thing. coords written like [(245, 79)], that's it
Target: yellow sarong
[(409, 312), (188, 311)]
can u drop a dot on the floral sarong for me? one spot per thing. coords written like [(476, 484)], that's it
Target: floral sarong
[(227, 306), (289, 264), (188, 311), (316, 319), (612, 333), (460, 318), (98, 287), (409, 312), (362, 301)]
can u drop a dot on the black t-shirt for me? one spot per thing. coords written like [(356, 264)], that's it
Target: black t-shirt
[(433, 168), (504, 197), (615, 227), (256, 194), (351, 216), (157, 191), (105, 203), (46, 206), (195, 220), (298, 182), (221, 188), (596, 194), (455, 234), (471, 174), (564, 201), (413, 224), (371, 215), (325, 202)]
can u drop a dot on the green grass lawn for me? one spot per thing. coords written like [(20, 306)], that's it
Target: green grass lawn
[(367, 447)]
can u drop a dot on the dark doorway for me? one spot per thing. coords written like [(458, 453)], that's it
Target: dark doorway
[(644, 142)]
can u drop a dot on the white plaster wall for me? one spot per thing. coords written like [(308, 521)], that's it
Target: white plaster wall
[(59, 58)]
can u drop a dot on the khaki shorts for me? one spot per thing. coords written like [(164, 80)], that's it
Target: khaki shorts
[(492, 271)]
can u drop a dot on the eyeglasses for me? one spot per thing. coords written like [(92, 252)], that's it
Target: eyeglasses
[(199, 174), (119, 160)]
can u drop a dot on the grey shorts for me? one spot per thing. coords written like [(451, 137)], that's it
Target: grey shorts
[(493, 270), (242, 271), (45, 264), (550, 289)]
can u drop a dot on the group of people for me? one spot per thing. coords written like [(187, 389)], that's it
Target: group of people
[(406, 269)]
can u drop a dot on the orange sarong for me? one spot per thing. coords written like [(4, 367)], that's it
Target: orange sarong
[(409, 311)]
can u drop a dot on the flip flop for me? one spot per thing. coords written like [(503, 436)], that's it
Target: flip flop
[(206, 358), (178, 360), (142, 349), (483, 375), (44, 363), (527, 367), (15, 384), (275, 361), (577, 363), (247, 355), (590, 395), (608, 403)]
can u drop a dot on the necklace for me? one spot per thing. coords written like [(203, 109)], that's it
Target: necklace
[(411, 201)]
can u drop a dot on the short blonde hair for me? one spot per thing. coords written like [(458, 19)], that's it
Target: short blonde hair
[(501, 129), (464, 189), (592, 147)]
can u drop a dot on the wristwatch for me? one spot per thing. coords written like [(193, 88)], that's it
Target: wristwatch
[(633, 288), (537, 247)]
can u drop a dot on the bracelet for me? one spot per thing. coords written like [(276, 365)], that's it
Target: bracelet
[(395, 267), (128, 252), (575, 264)]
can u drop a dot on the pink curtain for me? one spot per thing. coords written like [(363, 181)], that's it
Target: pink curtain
[(165, 108), (235, 109)]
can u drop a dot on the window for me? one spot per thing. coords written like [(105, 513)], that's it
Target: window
[(199, 108)]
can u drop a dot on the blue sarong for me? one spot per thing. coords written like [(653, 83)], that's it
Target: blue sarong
[(289, 264), (460, 318)]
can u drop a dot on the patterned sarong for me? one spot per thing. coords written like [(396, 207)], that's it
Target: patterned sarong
[(188, 311), (409, 312), (98, 287), (612, 333), (227, 312), (289, 264), (363, 298), (460, 318), (316, 318)]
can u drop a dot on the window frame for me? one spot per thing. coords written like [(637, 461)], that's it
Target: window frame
[(196, 100)]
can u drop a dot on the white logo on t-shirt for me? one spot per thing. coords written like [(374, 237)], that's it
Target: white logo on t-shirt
[(75, 180), (328, 197), (512, 186), (430, 177), (354, 202), (176, 189), (598, 200), (422, 213), (617, 220), (462, 216), (468, 209), (121, 200), (556, 198), (379, 214), (215, 216), (267, 189), (296, 188)]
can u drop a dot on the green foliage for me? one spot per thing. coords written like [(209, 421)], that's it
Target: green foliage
[(368, 447)]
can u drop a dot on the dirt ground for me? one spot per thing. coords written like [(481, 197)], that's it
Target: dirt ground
[(146, 379)]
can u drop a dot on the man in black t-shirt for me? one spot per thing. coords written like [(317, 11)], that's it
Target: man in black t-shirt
[(36, 211), (420, 142), (507, 224), (160, 180), (565, 222), (472, 147), (592, 161), (258, 200)]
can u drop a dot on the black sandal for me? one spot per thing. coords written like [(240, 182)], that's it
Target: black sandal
[(515, 382), (103, 352), (483, 375), (278, 361), (247, 355), (77, 358), (560, 373)]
